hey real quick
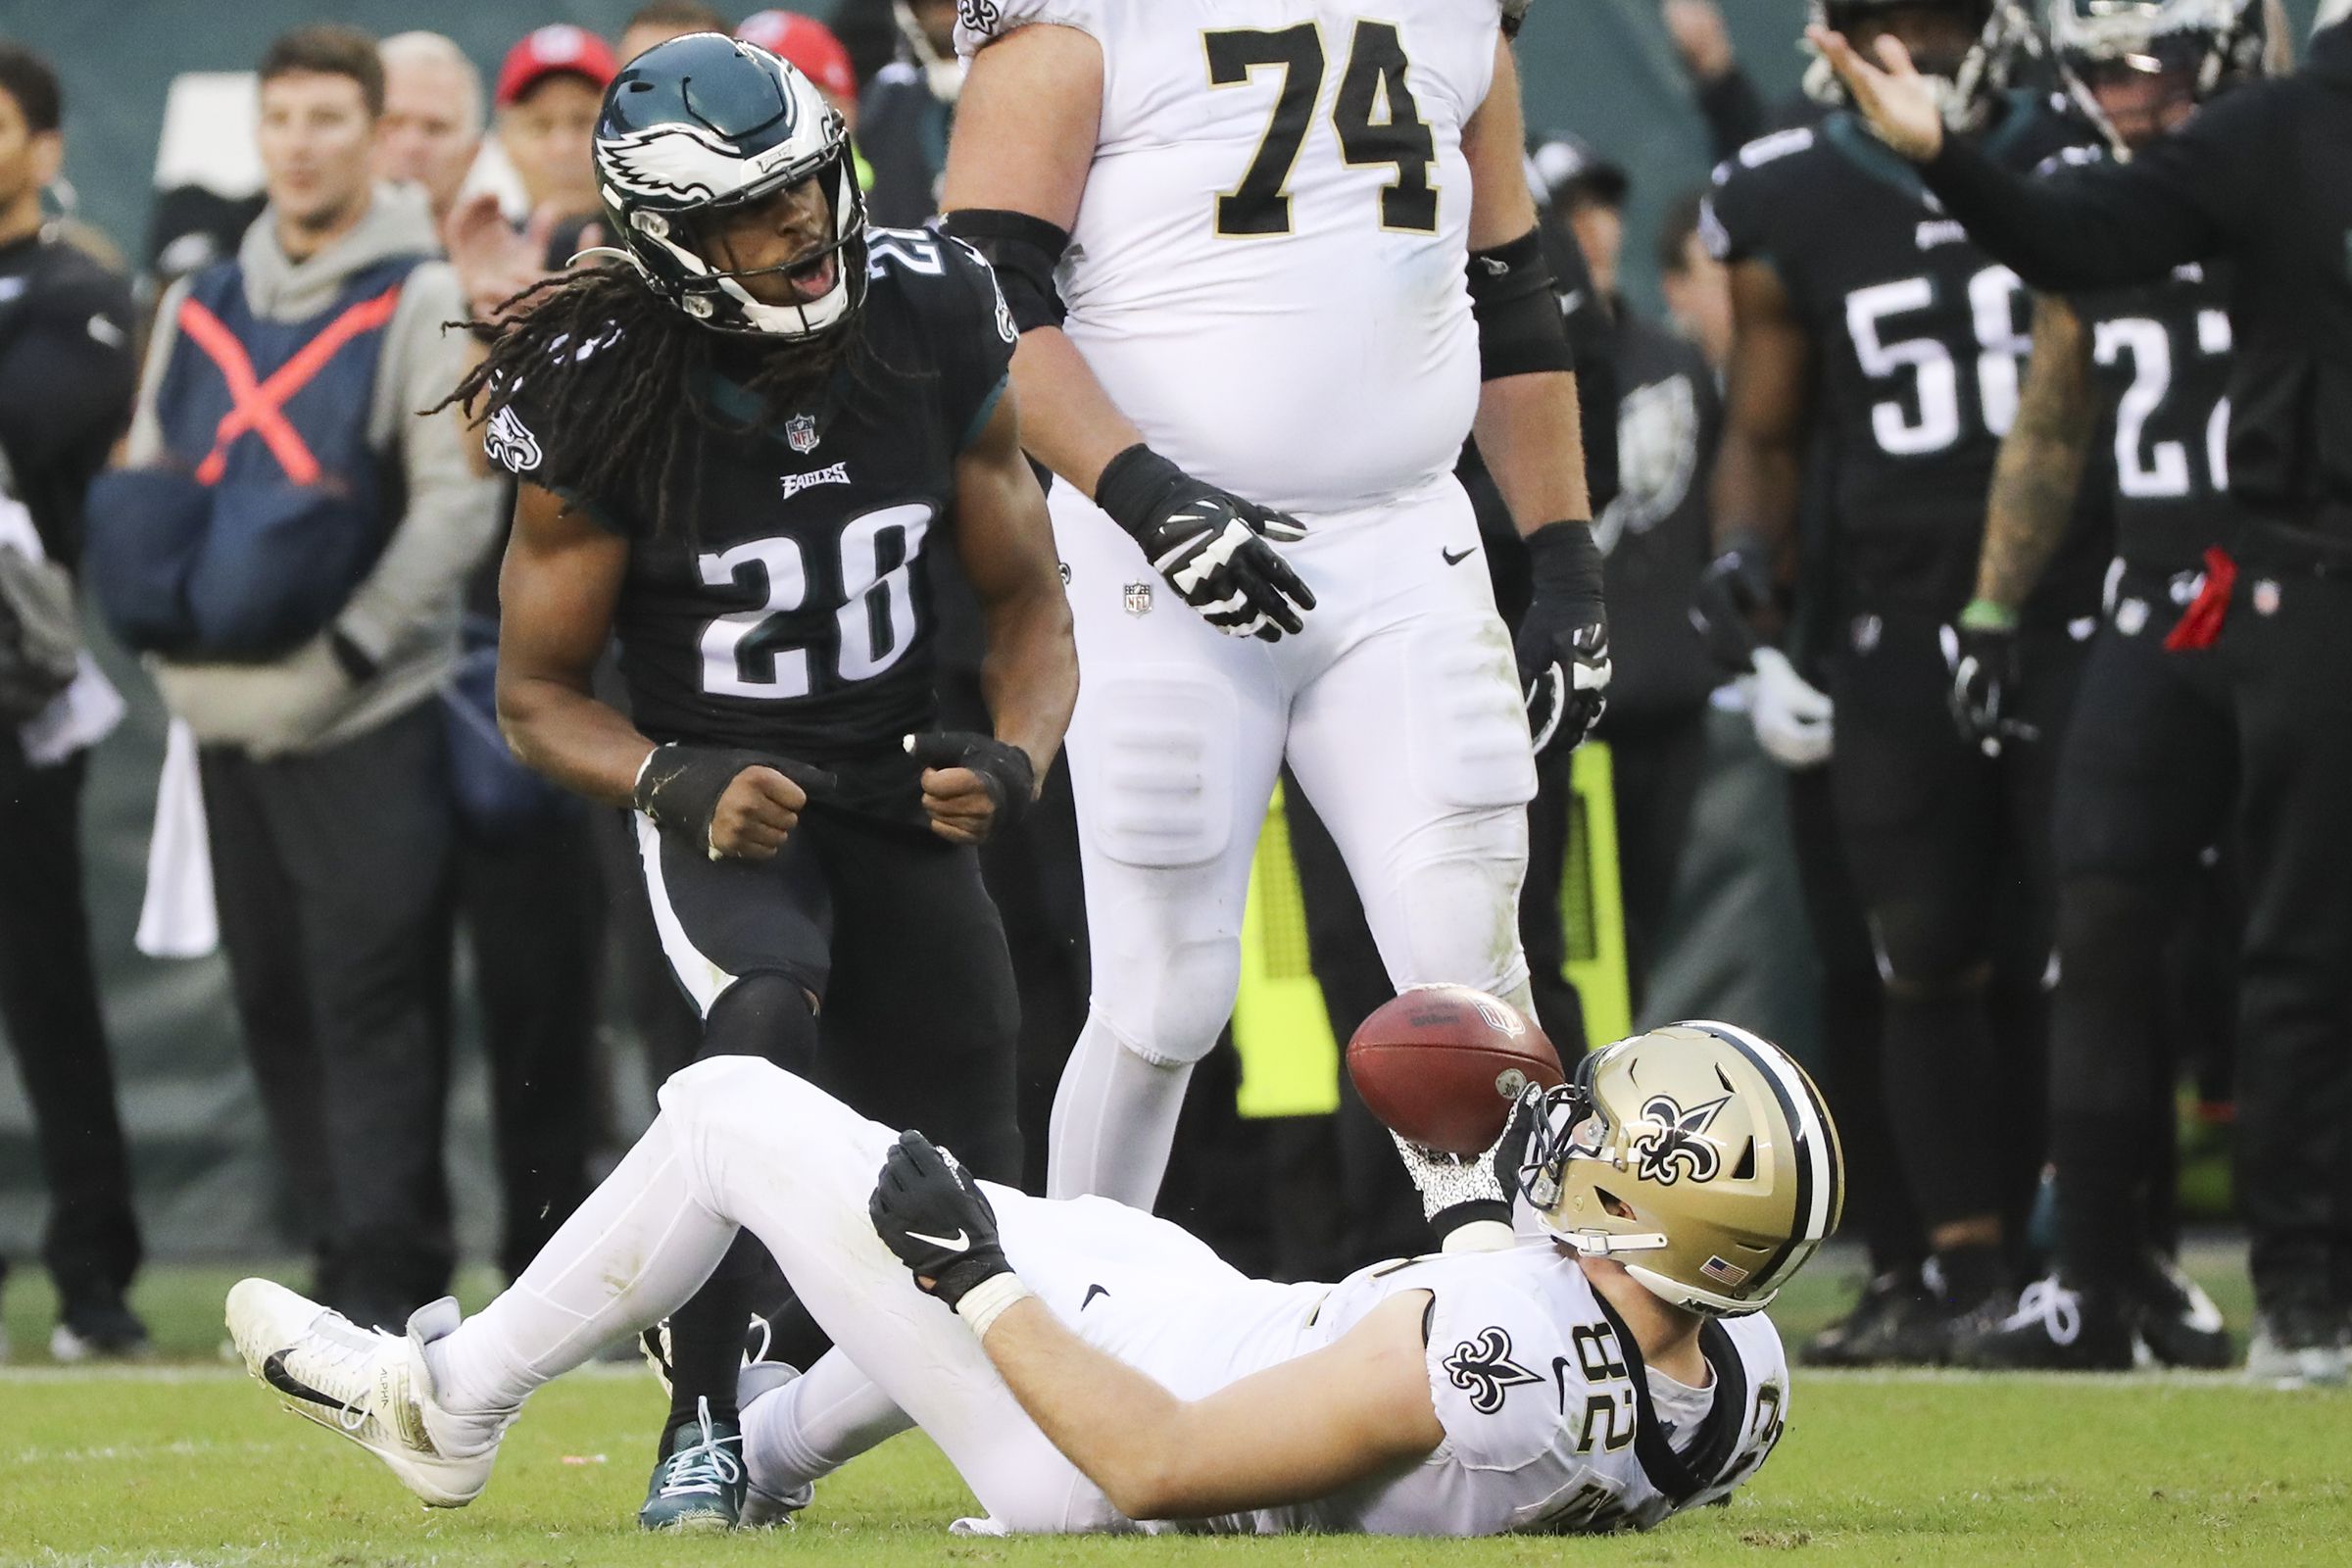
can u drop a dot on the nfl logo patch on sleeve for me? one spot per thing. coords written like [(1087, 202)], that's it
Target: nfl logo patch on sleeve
[(1139, 599)]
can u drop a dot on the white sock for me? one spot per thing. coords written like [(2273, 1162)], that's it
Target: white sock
[(632, 1253), (1114, 1120), (818, 1423)]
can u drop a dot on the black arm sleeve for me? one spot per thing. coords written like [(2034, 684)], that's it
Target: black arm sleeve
[(1733, 112), (2102, 225), (1593, 345)]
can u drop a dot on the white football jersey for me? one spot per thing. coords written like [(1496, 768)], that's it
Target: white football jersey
[(1266, 271), (1553, 1424)]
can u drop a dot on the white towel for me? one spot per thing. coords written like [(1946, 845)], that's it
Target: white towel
[(177, 919)]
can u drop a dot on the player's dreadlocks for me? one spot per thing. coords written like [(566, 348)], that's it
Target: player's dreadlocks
[(619, 423)]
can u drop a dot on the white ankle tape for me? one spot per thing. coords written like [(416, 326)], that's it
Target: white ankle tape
[(988, 1302)]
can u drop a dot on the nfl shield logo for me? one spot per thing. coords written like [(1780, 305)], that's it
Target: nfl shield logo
[(1139, 599), (800, 432)]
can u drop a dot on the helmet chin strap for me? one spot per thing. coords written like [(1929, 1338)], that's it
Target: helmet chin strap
[(1608, 1243)]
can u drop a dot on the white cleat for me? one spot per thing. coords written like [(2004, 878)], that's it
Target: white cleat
[(369, 1385), (764, 1508)]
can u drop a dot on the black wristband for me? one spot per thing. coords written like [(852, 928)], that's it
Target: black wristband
[(1005, 768), (1135, 486), (1565, 559)]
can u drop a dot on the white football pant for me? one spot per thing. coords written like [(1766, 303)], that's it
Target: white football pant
[(1399, 712)]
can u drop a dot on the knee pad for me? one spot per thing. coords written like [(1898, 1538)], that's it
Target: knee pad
[(1155, 769), (1170, 1010), (764, 1014), (1927, 953), (1455, 922)]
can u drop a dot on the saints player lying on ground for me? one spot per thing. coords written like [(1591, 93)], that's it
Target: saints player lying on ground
[(1108, 1373)]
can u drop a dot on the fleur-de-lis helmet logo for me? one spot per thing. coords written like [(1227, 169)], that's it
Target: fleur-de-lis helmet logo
[(1679, 1146)]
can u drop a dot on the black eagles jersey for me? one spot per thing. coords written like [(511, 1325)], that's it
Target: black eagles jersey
[(793, 614), (2160, 365), (1920, 342)]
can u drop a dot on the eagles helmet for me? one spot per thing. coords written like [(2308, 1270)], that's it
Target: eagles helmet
[(2004, 32), (1699, 1156), (2214, 44), (705, 122)]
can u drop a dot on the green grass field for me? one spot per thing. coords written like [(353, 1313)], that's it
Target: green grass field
[(187, 1461)]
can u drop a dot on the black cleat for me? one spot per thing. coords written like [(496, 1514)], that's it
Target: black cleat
[(2054, 1329), (2179, 1321), (1888, 1315)]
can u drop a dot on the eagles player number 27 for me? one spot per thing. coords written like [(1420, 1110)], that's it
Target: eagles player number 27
[(876, 619), (1374, 78), (1993, 296)]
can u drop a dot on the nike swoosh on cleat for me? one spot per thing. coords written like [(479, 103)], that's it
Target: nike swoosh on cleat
[(955, 1244), (1454, 560), (274, 1373), (1091, 1291)]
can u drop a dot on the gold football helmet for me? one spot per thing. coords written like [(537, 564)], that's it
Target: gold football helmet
[(1699, 1156)]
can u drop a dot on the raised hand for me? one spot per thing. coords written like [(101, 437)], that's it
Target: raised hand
[(1891, 96)]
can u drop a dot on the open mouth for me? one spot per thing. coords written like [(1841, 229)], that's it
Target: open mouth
[(814, 279)]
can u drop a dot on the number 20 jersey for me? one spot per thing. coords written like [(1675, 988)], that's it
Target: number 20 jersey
[(1919, 346), (1267, 270), (788, 610)]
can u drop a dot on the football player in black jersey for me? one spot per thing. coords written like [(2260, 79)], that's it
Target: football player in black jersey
[(1867, 323), (2125, 397), (734, 448)]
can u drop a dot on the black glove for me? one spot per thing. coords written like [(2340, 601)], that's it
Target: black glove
[(1004, 770), (1734, 590), (928, 1209), (679, 786), (1563, 644), (1981, 657), (1209, 544)]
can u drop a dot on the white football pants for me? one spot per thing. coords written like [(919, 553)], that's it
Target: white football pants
[(741, 1143), (1399, 712)]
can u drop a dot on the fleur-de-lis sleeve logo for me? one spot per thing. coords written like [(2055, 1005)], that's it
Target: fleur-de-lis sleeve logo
[(1481, 1367)]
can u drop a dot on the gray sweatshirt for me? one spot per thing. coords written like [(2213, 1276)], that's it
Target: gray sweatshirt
[(404, 614)]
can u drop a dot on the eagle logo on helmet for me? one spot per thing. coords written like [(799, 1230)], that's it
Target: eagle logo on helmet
[(1679, 1146), (683, 162), (1481, 1367)]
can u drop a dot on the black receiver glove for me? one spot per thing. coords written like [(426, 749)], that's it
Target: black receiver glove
[(1209, 544), (1563, 644), (1983, 661), (928, 1209), (679, 786), (1004, 770), (1734, 592)]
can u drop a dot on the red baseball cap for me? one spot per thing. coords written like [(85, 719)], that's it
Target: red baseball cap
[(560, 49), (805, 43)]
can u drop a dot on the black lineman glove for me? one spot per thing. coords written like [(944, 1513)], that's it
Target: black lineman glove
[(1734, 591), (1004, 770), (679, 786), (1983, 665), (928, 1209), (1563, 644), (1209, 544)]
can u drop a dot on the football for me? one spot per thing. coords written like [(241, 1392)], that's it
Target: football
[(1440, 1065)]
